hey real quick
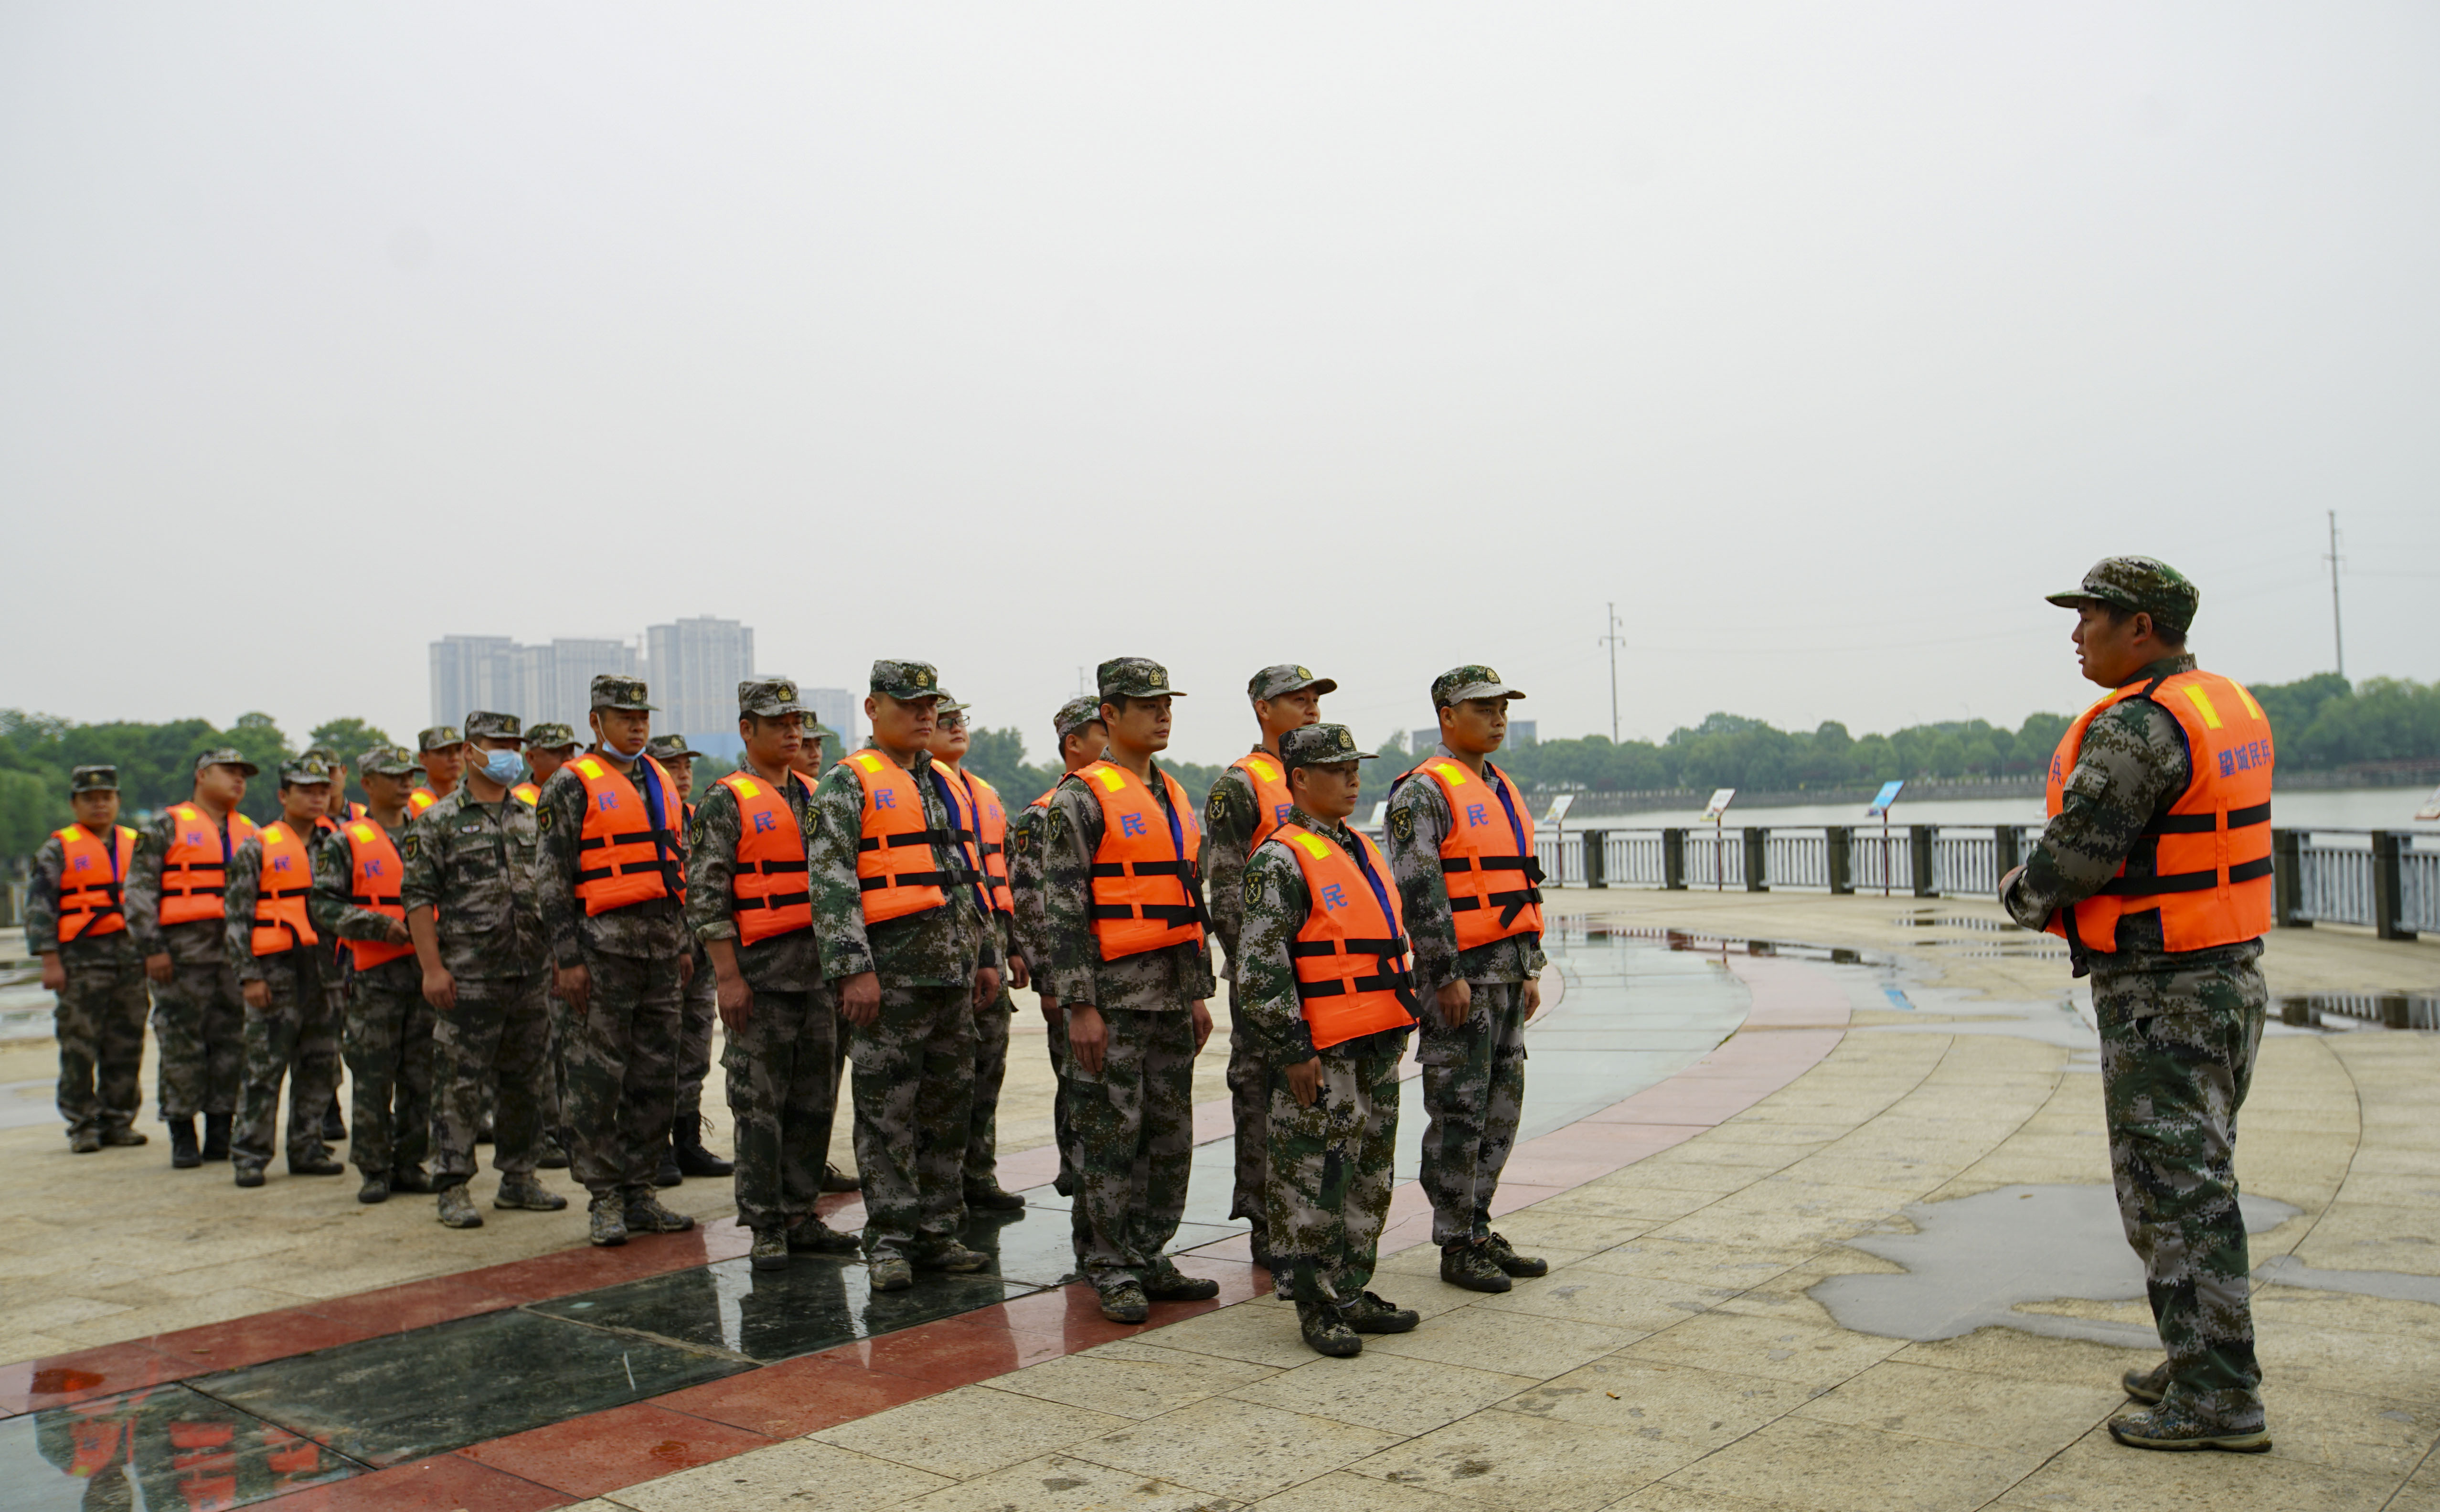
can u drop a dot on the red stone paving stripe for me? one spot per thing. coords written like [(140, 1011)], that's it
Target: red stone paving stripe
[(57, 1380), (800, 1397), (445, 1483), (602, 1451)]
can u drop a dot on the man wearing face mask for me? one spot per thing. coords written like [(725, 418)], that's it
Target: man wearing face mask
[(611, 875), (444, 763), (685, 1155)]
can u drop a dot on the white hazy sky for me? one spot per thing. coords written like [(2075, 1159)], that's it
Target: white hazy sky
[(1823, 339)]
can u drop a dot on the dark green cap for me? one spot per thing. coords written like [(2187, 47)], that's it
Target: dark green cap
[(670, 748), (1319, 745), (1272, 681), (768, 698), (493, 726), (1085, 708), (549, 737), (226, 756), (1459, 684), (907, 680), (611, 692), (1133, 677), (93, 780), (2139, 584), (439, 737)]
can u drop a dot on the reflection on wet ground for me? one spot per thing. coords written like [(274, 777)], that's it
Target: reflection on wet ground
[(2357, 1010), (166, 1447)]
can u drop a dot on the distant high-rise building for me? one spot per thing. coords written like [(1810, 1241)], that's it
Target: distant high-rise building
[(695, 667), (1521, 732), (536, 683), (834, 706), (565, 669), (470, 673)]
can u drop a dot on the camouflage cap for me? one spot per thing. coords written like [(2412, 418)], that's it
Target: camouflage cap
[(93, 780), (906, 679), (1319, 745), (387, 761), (493, 726), (2140, 585), (549, 737), (1134, 678), (1272, 681), (226, 756), (439, 737), (305, 771), (1085, 708), (325, 753), (1459, 684), (768, 698), (949, 705), (670, 748), (619, 693)]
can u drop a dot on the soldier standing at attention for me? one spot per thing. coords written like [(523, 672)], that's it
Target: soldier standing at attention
[(1461, 842), (976, 813), (821, 747), (2156, 868), (750, 909), (478, 944), (280, 961), (76, 927), (904, 942), (334, 974), (1328, 1001), (549, 748), (172, 898), (1123, 890), (1247, 802), (386, 1033), (444, 761), (1082, 739), (612, 873), (683, 1154)]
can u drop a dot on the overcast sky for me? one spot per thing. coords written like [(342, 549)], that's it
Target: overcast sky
[(1823, 339)]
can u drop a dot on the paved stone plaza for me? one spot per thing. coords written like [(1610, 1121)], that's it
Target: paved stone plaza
[(1860, 1254)]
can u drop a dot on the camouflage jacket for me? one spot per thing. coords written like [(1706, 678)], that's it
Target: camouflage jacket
[(1150, 981), (237, 910), (1276, 904), (1417, 821), (939, 947), (42, 916), (335, 882), (2132, 767), (473, 864), (1230, 815), (1024, 927), (195, 944), (786, 962), (650, 930)]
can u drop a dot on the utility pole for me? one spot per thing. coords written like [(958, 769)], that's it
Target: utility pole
[(2337, 628), (1613, 640)]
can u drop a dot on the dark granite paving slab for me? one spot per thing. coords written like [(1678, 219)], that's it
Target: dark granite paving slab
[(165, 1446), (774, 1315)]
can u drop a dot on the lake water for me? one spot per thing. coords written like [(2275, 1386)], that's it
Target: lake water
[(2362, 808)]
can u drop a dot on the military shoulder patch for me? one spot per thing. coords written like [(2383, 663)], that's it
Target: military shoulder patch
[(1216, 809), (1402, 823), (542, 819), (409, 846), (1253, 887)]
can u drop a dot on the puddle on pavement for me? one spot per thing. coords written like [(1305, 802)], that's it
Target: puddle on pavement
[(2357, 1010), (164, 1447), (1971, 1263)]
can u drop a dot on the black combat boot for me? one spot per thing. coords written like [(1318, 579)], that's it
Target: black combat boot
[(183, 1153), (668, 1173), (334, 1128), (693, 1160), (216, 1136)]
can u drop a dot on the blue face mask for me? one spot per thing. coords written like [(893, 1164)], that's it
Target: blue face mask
[(504, 767)]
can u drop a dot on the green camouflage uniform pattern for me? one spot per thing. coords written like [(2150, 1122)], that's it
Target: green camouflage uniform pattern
[(698, 1011), (98, 1018), (913, 1083), (783, 1089), (294, 1040), (198, 1015), (1133, 1123), (992, 1026), (1329, 1168), (386, 1033), (1026, 937), (1474, 1076), (1231, 812), (623, 1052), (2178, 1035), (473, 863)]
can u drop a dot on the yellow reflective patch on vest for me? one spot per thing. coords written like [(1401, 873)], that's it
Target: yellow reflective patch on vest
[(589, 766), (2250, 706), (1313, 844), (272, 833), (745, 787), (2202, 702), (362, 833), (1263, 768), (867, 760), (1110, 779), (1450, 772)]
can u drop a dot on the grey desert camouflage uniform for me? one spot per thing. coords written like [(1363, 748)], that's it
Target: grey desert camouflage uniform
[(198, 1016), (1028, 936), (2178, 1035), (386, 1036), (473, 864), (1231, 813), (1329, 1169), (1474, 1076), (292, 1040), (98, 1018)]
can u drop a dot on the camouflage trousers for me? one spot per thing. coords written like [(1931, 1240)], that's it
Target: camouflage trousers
[(294, 1040), (1133, 1124), (1330, 1174), (914, 1100), (199, 1024), (700, 1006), (488, 1054), (991, 1073), (100, 1023), (622, 1073), (1474, 1090), (388, 1045), (1063, 1130), (1249, 1101), (781, 1096), (2173, 1082)]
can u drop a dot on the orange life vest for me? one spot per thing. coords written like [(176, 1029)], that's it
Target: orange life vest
[(91, 875), (373, 878), (894, 849), (988, 818), (766, 889), (2206, 863), (420, 799), (528, 794), (1147, 886), (1271, 799), (194, 873), (636, 860), (1351, 954), (279, 919), (1490, 834)]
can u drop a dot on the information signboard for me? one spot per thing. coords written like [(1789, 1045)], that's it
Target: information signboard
[(1879, 807)]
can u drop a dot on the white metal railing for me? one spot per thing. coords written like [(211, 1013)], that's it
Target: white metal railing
[(1879, 861), (2419, 889), (1634, 858), (2334, 884), (1795, 859)]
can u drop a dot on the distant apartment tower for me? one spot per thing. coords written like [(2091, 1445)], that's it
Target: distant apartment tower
[(834, 706), (1522, 732), (535, 683), (695, 667), (472, 672), (559, 683)]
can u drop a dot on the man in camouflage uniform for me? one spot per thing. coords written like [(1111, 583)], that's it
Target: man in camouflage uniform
[(685, 1156), (443, 755), (909, 989), (821, 747), (469, 892), (386, 1032), (1284, 697), (1333, 1119), (1476, 1001), (94, 973), (778, 1052), (1135, 1023), (334, 969), (623, 972), (549, 748), (198, 1017), (290, 1035), (950, 742), (1082, 737), (2179, 1028)]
